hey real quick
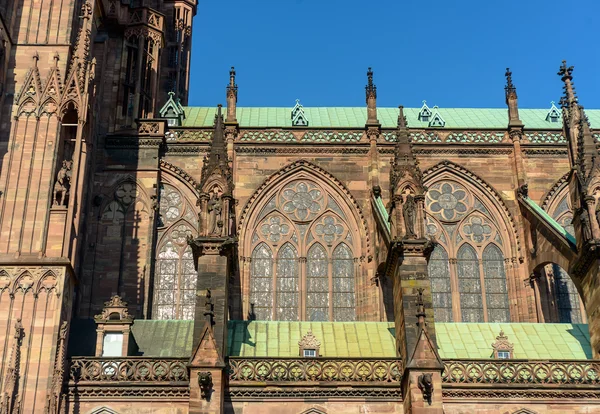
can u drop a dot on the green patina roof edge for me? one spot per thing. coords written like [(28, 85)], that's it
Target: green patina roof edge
[(255, 339), (553, 223), (355, 117)]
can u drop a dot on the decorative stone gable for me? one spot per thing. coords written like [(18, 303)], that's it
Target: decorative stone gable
[(309, 342)]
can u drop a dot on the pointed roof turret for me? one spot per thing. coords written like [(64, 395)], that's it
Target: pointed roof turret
[(232, 93), (511, 100), (298, 115), (436, 119), (371, 99), (553, 114), (425, 112), (216, 161)]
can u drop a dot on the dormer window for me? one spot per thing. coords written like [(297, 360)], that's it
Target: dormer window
[(553, 114), (502, 348), (436, 119), (425, 113), (298, 116), (309, 346), (503, 354), (309, 353)]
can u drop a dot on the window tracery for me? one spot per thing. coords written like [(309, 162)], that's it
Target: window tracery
[(467, 267), (303, 260), (175, 276)]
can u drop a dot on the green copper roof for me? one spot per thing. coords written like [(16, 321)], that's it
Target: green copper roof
[(355, 117), (163, 338), (376, 339), (156, 338)]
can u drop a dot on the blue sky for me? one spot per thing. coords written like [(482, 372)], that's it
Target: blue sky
[(452, 53)]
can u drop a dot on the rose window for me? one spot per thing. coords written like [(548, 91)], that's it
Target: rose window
[(329, 230), (126, 193), (273, 229), (302, 200), (477, 230), (447, 201)]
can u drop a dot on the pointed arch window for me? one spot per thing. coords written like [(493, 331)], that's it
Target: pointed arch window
[(467, 267), (317, 284), (303, 256), (441, 289), (174, 274), (495, 284), (287, 284), (262, 286)]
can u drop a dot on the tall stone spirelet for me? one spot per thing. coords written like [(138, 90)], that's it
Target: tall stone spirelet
[(214, 250), (407, 265)]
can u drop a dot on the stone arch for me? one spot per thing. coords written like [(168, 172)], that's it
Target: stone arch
[(5, 281), (478, 219), (493, 197), (49, 107), (48, 282), (326, 211), (24, 282), (259, 198), (176, 173), (110, 193)]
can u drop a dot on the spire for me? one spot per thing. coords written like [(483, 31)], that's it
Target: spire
[(587, 157), (511, 100), (371, 98), (405, 161), (232, 90), (570, 112), (216, 160)]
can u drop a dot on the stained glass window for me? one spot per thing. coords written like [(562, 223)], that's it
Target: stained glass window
[(287, 284), (307, 255), (317, 284), (469, 285), (496, 293), (441, 290), (261, 294), (175, 287), (567, 297), (343, 284)]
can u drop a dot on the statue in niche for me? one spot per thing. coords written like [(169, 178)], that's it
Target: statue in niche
[(409, 213), (586, 228), (215, 212), (63, 183)]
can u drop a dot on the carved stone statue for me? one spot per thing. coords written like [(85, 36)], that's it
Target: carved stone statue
[(426, 386), (62, 184), (586, 227), (409, 212), (215, 212), (205, 382)]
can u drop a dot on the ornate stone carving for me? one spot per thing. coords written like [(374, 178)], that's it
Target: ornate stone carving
[(502, 344), (62, 184), (309, 341), (114, 310), (425, 384), (409, 212), (206, 384)]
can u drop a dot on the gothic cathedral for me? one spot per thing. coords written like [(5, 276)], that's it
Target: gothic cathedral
[(157, 257)]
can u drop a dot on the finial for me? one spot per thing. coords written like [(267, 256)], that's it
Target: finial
[(219, 106), (35, 57), (509, 88), (371, 89), (232, 77), (566, 72), (56, 58)]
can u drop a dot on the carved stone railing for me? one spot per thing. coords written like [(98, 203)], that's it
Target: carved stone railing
[(521, 373), (360, 371), (84, 371)]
